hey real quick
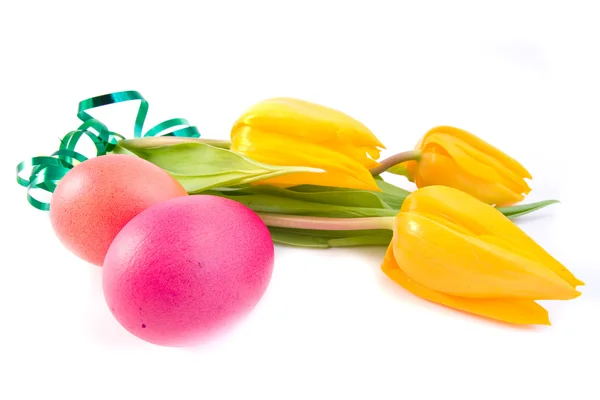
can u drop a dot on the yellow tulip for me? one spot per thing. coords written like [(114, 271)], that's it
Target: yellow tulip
[(291, 132), (456, 158), (452, 249)]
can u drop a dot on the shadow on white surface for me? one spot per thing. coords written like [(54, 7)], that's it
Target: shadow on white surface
[(101, 326), (281, 310), (104, 329)]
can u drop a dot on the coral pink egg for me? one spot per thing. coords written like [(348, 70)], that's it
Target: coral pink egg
[(98, 197), (185, 269)]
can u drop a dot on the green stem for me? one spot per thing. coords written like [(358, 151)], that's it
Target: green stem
[(394, 160), (326, 224)]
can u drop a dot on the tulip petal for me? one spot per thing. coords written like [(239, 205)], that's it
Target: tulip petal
[(284, 150), (308, 121), (506, 310), (482, 146), (445, 204), (450, 204), (480, 166), (510, 178), (293, 132), (443, 259), (364, 155), (534, 252), (439, 169)]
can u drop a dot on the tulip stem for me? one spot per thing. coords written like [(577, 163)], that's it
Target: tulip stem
[(325, 223), (394, 160)]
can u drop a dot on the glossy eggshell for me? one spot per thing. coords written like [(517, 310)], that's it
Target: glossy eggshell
[(96, 198), (186, 269)]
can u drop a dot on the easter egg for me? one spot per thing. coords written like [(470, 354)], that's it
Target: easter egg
[(96, 198), (184, 270)]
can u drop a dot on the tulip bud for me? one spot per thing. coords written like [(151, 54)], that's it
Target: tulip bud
[(291, 132), (455, 250), (456, 158)]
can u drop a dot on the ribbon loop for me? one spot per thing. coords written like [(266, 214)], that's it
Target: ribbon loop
[(47, 171)]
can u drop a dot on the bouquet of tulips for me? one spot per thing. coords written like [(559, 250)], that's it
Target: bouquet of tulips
[(314, 176)]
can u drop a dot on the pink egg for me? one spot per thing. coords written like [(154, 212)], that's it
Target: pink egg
[(98, 197), (186, 269)]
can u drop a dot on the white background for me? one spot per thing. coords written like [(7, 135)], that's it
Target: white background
[(522, 75)]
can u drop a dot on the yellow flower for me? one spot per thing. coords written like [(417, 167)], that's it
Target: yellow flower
[(452, 249), (291, 132), (456, 158)]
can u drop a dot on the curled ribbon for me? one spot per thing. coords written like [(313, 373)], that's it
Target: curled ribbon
[(47, 171)]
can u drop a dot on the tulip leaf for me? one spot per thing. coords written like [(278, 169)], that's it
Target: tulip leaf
[(279, 204), (392, 195), (157, 141), (513, 212), (326, 239), (316, 194), (200, 166)]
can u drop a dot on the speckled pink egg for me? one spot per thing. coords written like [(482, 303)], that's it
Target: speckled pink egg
[(184, 270), (95, 200)]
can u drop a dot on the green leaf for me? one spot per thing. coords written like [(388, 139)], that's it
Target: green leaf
[(293, 239), (392, 195), (315, 194), (158, 141), (326, 239), (269, 203), (200, 166), (513, 212)]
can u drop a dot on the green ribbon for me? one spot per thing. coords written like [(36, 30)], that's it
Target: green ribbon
[(47, 171)]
